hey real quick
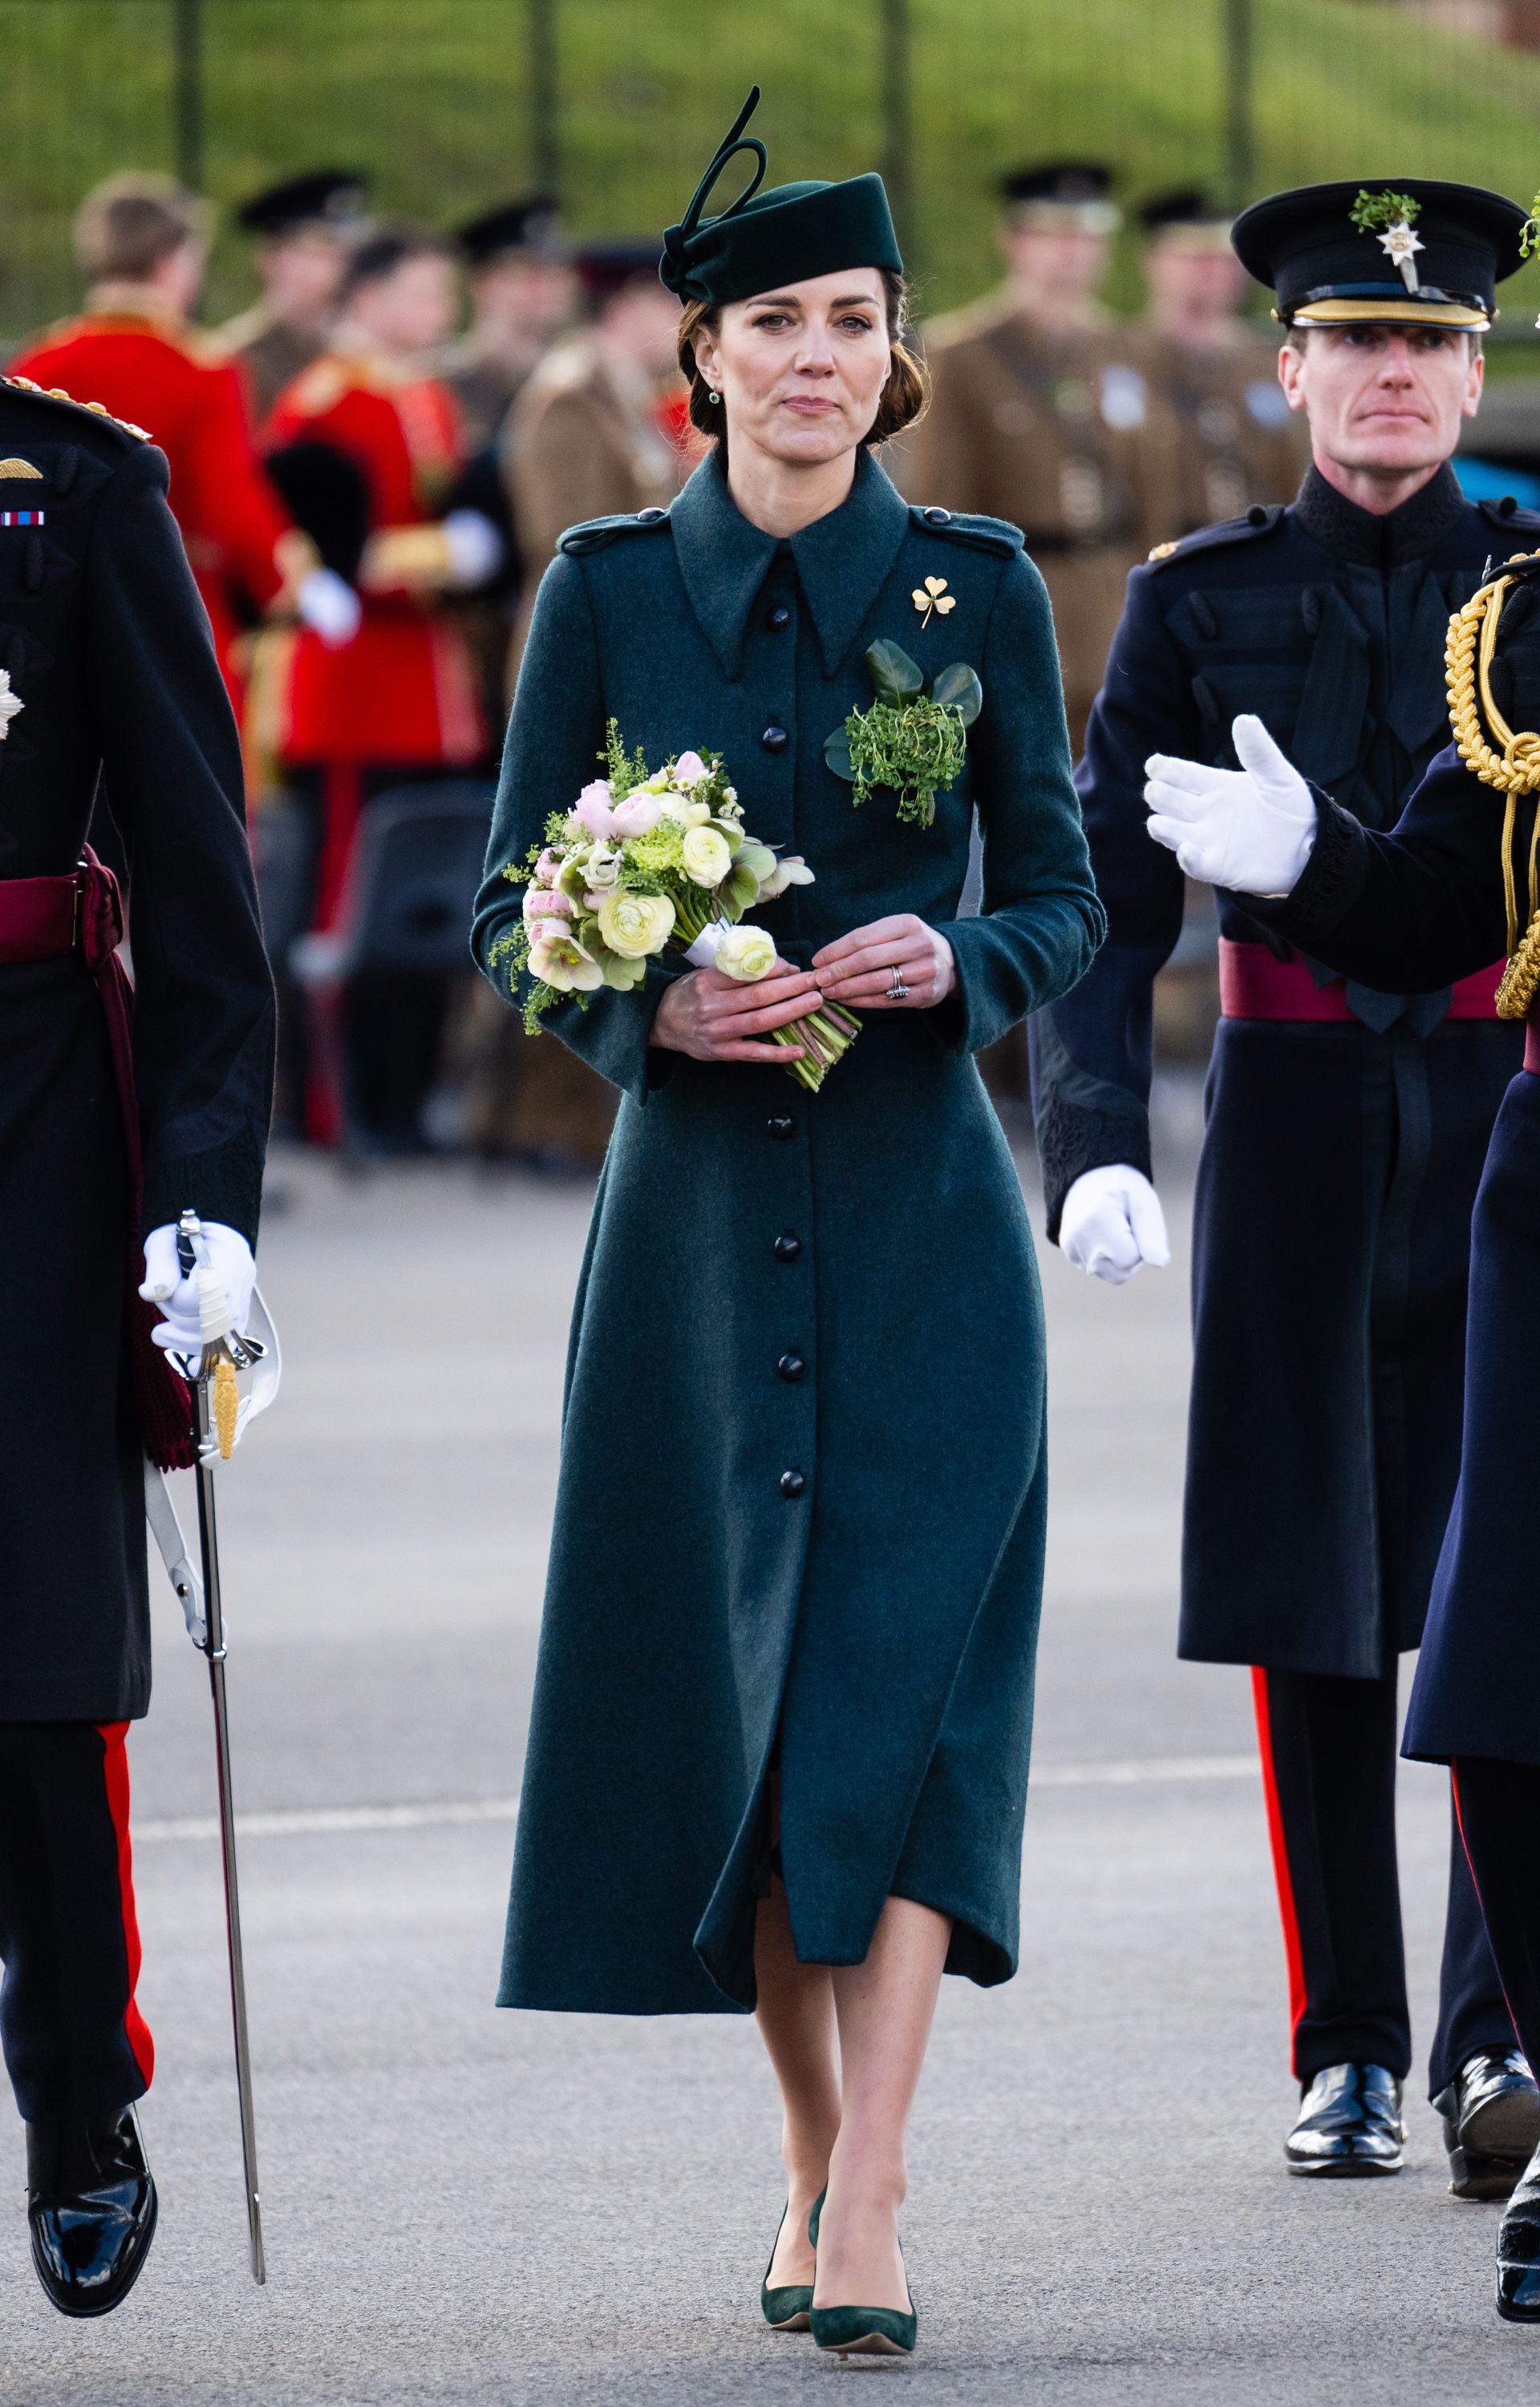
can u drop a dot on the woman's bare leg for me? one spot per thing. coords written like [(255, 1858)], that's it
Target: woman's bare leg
[(884, 2008), (795, 2015)]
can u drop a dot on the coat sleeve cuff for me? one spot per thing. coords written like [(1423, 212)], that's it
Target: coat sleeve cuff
[(1329, 884), (224, 1185)]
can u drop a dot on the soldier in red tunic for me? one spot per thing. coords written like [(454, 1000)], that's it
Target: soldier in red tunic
[(367, 445), (141, 243)]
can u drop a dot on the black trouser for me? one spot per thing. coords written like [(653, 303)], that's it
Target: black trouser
[(1329, 1764), (392, 1019), (1499, 1808), (75, 2042)]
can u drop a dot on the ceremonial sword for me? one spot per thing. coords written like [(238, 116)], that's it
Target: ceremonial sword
[(217, 1420)]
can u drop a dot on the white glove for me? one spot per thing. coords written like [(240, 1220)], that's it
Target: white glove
[(229, 1257), (475, 547), (1111, 1224), (1250, 829), (327, 603)]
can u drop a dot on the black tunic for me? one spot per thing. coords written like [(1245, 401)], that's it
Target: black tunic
[(1340, 1160), (107, 649)]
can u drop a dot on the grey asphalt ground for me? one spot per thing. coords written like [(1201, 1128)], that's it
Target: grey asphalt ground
[(469, 2206)]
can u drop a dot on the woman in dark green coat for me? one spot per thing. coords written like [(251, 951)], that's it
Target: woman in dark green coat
[(777, 1757)]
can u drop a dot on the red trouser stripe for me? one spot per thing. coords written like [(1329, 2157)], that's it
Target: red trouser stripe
[(1297, 1999), (114, 1737), (1475, 1882)]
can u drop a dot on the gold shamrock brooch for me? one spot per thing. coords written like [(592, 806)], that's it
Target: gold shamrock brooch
[(933, 595)]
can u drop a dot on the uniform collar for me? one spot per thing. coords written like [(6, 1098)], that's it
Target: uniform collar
[(1378, 542), (841, 560)]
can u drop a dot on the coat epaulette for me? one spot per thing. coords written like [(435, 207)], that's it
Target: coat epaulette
[(98, 409), (1508, 516), (967, 526), (1261, 519), (593, 534)]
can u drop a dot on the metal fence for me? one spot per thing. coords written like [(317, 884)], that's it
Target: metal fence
[(453, 104)]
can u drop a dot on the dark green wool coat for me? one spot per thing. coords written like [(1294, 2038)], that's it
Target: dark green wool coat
[(873, 1633)]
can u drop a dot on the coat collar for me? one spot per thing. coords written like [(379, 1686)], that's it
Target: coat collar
[(1379, 542), (841, 560)]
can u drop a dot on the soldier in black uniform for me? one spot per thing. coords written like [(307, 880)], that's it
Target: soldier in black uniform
[(111, 1122), (1445, 891), (1346, 1132)]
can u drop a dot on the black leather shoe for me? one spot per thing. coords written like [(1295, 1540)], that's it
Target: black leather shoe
[(1518, 2251), (91, 2203), (1350, 2124), (1491, 2122)]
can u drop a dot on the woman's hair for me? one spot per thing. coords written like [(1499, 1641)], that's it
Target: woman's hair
[(904, 395)]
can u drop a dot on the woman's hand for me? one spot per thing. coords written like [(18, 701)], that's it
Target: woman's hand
[(859, 969), (714, 1018)]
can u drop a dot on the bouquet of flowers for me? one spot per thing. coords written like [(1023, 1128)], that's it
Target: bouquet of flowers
[(647, 862)]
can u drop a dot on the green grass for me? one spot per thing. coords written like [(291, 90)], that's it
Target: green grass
[(432, 96)]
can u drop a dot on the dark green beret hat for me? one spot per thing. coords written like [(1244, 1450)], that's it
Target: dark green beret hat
[(775, 238)]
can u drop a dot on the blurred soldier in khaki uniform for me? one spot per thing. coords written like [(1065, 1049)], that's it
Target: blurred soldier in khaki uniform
[(586, 439), (1039, 412), (523, 295), (303, 228), (1235, 439)]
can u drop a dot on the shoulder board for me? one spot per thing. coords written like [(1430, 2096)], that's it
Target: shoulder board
[(1508, 516), (319, 388), (98, 409), (1261, 519), (596, 534), (961, 526)]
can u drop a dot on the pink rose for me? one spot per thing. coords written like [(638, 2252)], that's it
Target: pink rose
[(592, 808), (637, 814), (547, 868), (541, 904), (689, 769)]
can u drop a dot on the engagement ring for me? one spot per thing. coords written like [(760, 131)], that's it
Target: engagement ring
[(898, 991)]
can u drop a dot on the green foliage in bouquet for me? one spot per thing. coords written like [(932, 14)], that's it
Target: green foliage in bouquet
[(913, 739)]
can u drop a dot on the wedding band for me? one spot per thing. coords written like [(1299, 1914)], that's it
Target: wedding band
[(898, 991)]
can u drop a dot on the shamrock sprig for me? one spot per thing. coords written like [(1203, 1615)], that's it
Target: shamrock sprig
[(1529, 238), (1378, 212), (913, 740)]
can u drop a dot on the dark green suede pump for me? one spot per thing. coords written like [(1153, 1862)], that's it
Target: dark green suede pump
[(787, 2307), (859, 2331)]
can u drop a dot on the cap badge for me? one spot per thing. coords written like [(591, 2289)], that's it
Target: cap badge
[(933, 595), (1389, 215)]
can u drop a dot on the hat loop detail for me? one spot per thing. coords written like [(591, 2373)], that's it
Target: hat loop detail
[(726, 152)]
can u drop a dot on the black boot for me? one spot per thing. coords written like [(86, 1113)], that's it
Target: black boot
[(1491, 2122), (91, 2203), (1518, 2251), (1350, 2123)]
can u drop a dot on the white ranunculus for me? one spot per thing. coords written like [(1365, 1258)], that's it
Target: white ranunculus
[(746, 953), (707, 856), (635, 925), (685, 814), (792, 871)]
